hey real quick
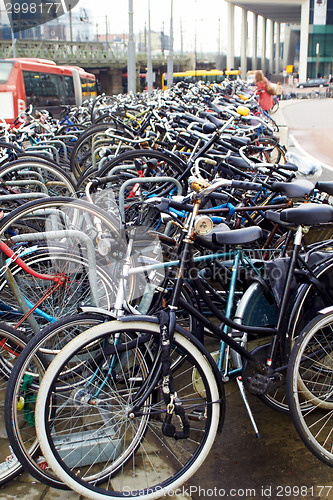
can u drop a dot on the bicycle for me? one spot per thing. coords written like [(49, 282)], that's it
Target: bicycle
[(116, 342)]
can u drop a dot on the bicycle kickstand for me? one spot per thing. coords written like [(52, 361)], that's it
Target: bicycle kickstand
[(247, 406)]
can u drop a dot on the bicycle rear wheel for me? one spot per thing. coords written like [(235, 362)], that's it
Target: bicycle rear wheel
[(309, 387), (33, 175), (62, 302), (152, 162), (126, 453), (69, 238)]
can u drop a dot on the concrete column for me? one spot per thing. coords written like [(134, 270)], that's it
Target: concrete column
[(131, 64), (271, 48), (263, 43), (231, 36), (255, 42), (304, 40), (278, 49), (244, 44)]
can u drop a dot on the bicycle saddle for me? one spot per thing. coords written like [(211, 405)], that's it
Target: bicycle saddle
[(237, 161), (275, 217), (309, 214), (326, 187), (237, 236), (296, 189)]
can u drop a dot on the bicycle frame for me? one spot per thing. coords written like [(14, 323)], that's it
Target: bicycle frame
[(186, 263)]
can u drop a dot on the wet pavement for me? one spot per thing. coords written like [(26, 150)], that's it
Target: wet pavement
[(275, 466), (310, 126), (278, 465)]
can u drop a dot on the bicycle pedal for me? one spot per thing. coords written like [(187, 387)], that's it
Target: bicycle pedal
[(196, 415), (258, 384)]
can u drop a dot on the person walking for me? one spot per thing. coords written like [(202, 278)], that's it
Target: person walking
[(265, 99)]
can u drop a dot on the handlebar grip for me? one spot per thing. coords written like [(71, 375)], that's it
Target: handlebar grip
[(180, 206), (289, 166), (246, 186), (98, 181), (164, 205)]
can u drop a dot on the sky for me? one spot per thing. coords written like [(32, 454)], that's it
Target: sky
[(199, 25), (197, 19)]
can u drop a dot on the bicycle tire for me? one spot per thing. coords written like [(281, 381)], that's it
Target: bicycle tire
[(303, 306), (191, 459), (79, 218), (76, 293), (167, 164), (23, 385), (11, 345), (83, 146), (309, 383), (276, 155), (54, 178)]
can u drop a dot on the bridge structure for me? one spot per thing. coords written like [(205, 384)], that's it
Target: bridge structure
[(107, 60)]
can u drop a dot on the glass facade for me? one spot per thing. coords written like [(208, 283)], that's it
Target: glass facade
[(320, 53)]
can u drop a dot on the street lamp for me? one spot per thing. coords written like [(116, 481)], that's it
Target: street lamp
[(170, 56), (149, 57)]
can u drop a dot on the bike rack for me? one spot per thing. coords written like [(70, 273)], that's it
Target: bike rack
[(22, 196), (58, 235), (44, 148), (30, 182)]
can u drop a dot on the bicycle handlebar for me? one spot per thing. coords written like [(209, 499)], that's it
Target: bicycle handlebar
[(246, 186)]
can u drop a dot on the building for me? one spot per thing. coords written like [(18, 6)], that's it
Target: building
[(308, 36), (158, 39)]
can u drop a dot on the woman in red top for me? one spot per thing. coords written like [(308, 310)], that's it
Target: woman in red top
[(265, 99)]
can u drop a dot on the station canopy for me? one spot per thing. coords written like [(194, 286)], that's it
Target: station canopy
[(280, 11)]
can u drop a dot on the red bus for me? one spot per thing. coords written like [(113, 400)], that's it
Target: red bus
[(25, 81)]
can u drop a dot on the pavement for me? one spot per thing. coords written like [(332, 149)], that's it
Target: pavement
[(278, 465), (306, 126)]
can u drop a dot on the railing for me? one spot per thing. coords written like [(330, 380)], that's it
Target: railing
[(308, 93), (85, 54), (79, 53)]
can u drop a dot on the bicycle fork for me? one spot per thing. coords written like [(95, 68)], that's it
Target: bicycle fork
[(224, 352)]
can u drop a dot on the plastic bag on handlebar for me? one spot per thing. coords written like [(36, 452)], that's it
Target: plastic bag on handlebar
[(305, 168)]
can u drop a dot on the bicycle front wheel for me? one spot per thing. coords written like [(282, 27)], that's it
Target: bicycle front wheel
[(309, 387), (12, 342), (113, 450), (22, 388)]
